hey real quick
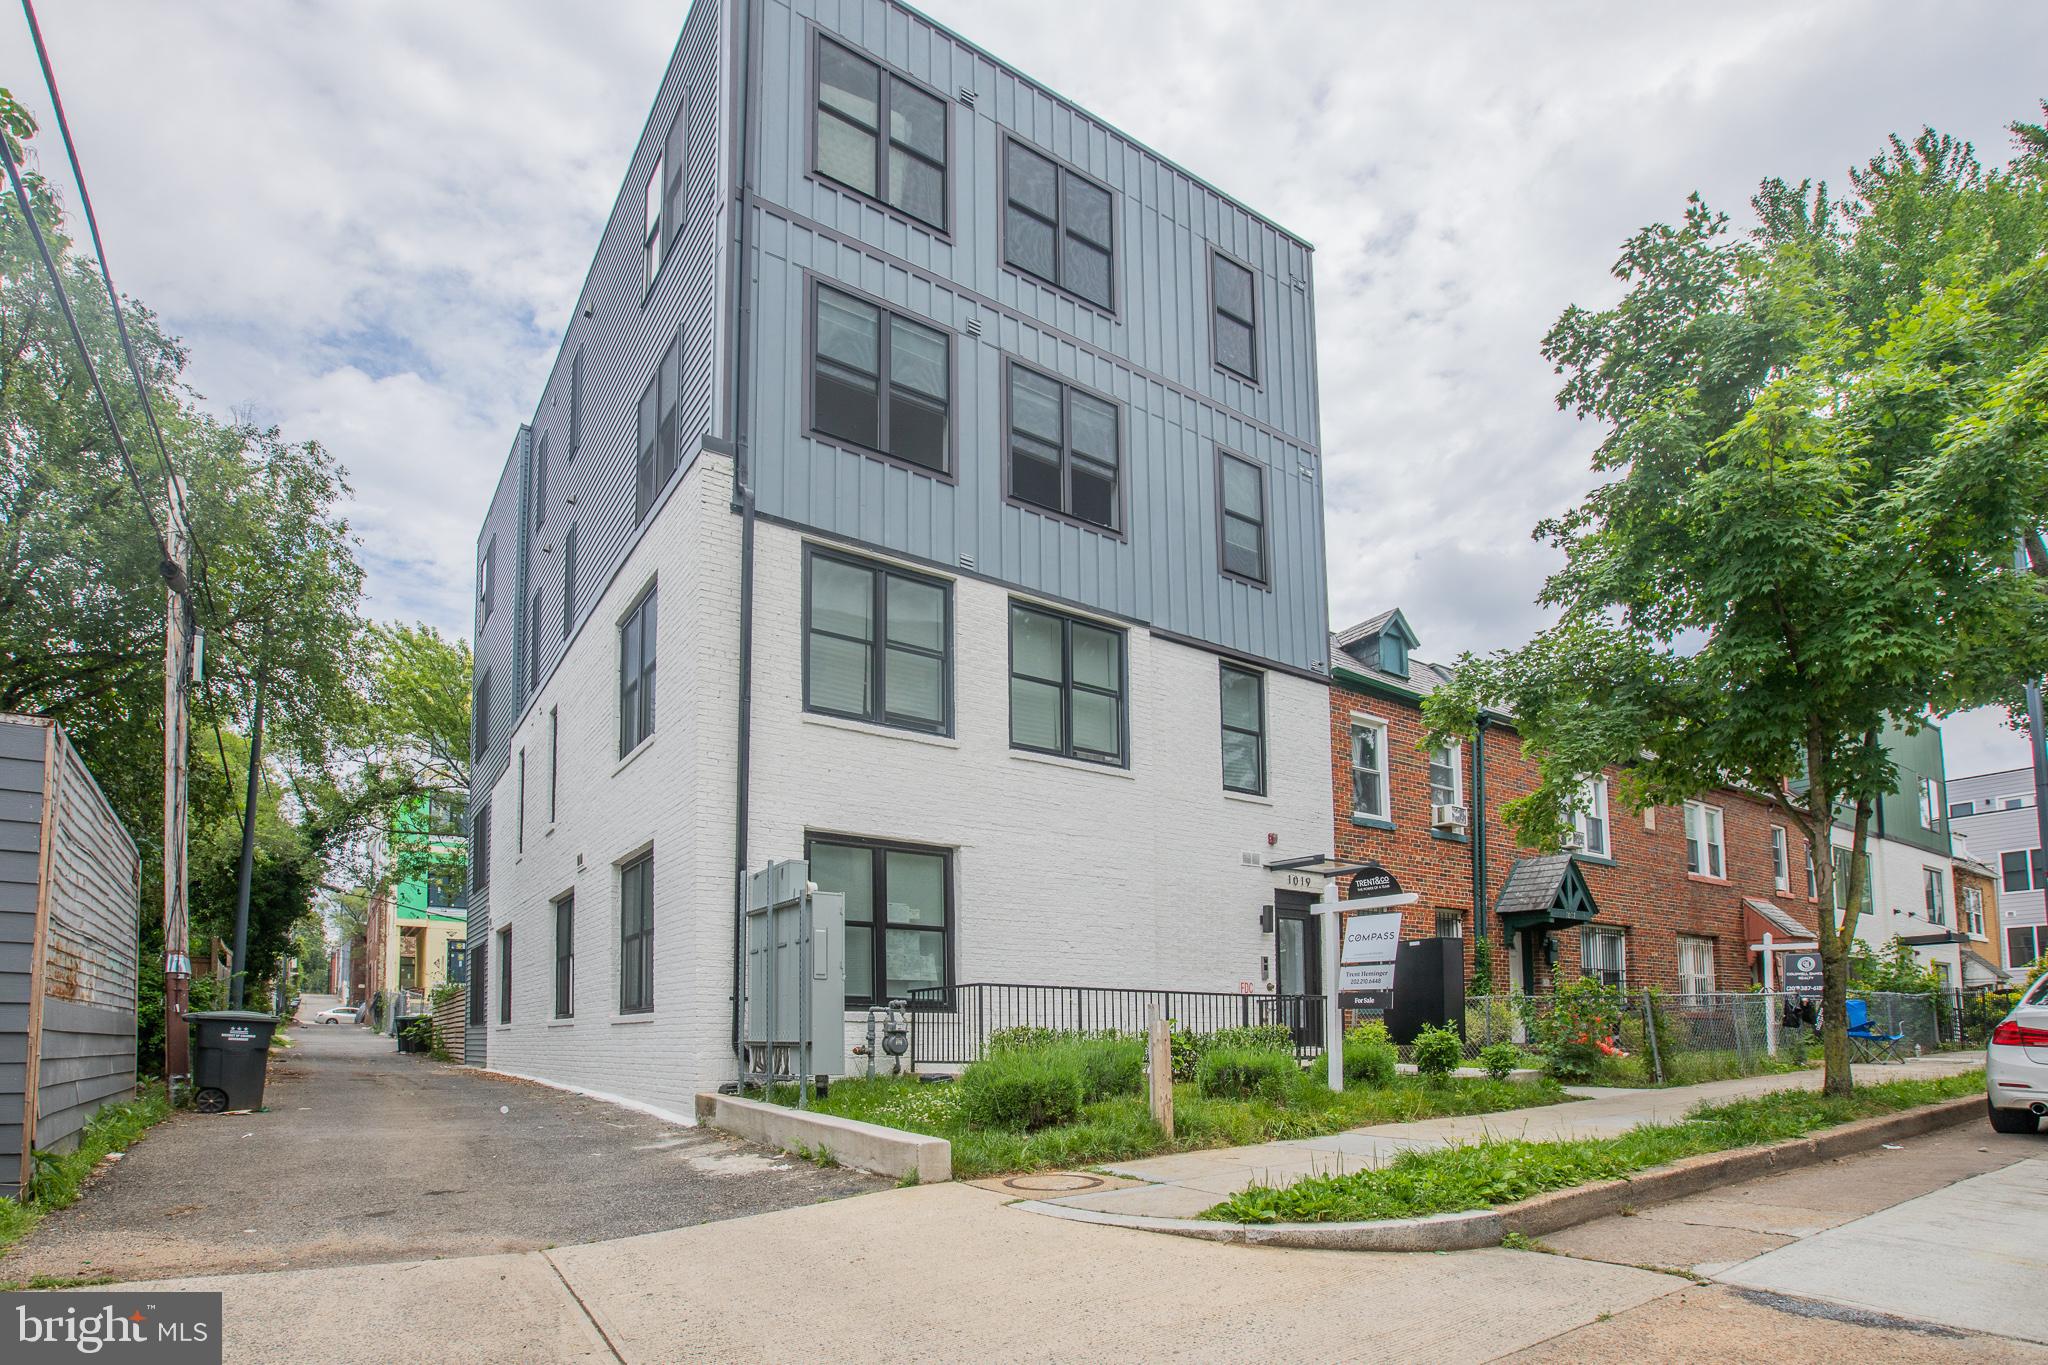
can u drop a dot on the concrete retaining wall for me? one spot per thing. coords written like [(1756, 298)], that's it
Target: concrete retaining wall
[(863, 1146)]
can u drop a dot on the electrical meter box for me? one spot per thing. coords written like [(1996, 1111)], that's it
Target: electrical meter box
[(793, 1023)]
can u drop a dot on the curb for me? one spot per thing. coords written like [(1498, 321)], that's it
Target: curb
[(863, 1146), (1547, 1213)]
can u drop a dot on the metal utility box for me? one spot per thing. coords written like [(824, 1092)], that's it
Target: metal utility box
[(1429, 987), (70, 918), (793, 1025)]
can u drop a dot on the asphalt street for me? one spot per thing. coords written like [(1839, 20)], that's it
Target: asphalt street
[(365, 1155)]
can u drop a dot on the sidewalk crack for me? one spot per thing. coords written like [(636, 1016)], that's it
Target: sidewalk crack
[(588, 1315)]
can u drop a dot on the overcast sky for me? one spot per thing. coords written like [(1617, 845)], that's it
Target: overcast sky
[(369, 218)]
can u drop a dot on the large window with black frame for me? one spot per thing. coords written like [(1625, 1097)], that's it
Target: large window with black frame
[(636, 936), (636, 674), (880, 134), (1234, 318), (899, 913), (1241, 495), (880, 381), (1244, 730), (505, 975), (1056, 225), (565, 957), (1065, 449), (1066, 686), (877, 643), (657, 458)]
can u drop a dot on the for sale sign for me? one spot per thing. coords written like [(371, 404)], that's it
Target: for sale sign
[(1801, 972), (1365, 974)]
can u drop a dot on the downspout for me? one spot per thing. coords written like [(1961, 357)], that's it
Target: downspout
[(1479, 827), (743, 490)]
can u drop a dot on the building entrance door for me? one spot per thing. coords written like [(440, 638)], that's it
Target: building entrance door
[(1298, 965)]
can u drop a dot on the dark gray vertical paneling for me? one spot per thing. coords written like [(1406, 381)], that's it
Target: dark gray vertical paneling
[(21, 826)]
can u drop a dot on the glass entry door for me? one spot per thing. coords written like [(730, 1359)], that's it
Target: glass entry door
[(1298, 966)]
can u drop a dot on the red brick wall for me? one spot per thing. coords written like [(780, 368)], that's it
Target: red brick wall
[(1643, 890), (1987, 887)]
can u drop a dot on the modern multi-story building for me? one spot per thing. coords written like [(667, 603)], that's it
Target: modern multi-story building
[(416, 929), (1996, 813), (928, 486), (1911, 887)]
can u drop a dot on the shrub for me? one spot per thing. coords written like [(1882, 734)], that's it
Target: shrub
[(1020, 1038), (1110, 1067), (1189, 1047), (1582, 1015), (1230, 1073), (1023, 1090), (1369, 1055), (1499, 1059), (1438, 1051)]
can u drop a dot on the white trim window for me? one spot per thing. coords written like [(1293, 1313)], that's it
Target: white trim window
[(1369, 769), (1972, 899), (1930, 804), (1446, 780), (1704, 855), (1590, 818), (1781, 860), (1695, 965), (1603, 956), (1812, 877), (1935, 885), (650, 225)]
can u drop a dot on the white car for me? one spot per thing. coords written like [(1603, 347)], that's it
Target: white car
[(2016, 1064), (340, 1014)]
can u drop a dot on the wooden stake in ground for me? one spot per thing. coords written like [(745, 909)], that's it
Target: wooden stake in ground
[(1159, 1067)]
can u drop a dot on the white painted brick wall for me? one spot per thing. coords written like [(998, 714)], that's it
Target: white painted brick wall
[(1064, 873)]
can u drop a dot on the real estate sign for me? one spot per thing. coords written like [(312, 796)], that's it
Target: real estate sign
[(1365, 972)]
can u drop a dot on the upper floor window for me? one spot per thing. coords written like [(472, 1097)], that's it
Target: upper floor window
[(1703, 851), (2014, 866), (576, 403), (650, 224), (1590, 818), (1064, 449), (568, 580), (1781, 860), (565, 957), (480, 848), (636, 675), (1233, 323), (1066, 686), (481, 722), (657, 460), (533, 645), (505, 975), (1936, 890), (1930, 803), (881, 135), (1056, 225), (1958, 809), (877, 643), (880, 381), (487, 578), (1368, 768), (1843, 865), (1972, 900), (1241, 491), (1446, 782), (1244, 730), (540, 481)]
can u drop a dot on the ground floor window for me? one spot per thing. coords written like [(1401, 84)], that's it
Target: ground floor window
[(1695, 965), (899, 913), (636, 936), (2024, 944), (505, 975), (1601, 955), (565, 957)]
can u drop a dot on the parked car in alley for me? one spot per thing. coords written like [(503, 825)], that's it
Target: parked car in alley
[(2016, 1064), (340, 1014)]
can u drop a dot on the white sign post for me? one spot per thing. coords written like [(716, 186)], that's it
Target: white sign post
[(1332, 910)]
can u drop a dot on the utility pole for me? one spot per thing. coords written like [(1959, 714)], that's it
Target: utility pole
[(248, 864), (2035, 743), (181, 663)]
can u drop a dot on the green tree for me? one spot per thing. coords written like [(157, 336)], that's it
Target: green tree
[(1823, 439)]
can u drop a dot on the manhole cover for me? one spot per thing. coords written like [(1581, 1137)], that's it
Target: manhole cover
[(1056, 1182)]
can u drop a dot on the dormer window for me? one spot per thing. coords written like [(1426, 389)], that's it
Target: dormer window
[(1394, 654)]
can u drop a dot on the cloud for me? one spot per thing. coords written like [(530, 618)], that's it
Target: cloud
[(370, 220)]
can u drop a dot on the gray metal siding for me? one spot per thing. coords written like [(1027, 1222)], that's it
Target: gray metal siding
[(88, 1060), (21, 817), (1152, 357)]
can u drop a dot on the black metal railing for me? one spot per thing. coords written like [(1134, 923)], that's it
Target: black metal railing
[(951, 1026)]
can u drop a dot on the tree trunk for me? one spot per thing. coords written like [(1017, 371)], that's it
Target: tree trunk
[(1834, 948)]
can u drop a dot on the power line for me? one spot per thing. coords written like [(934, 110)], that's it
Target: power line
[(169, 567)]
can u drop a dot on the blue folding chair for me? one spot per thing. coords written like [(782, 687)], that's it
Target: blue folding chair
[(1871, 1044)]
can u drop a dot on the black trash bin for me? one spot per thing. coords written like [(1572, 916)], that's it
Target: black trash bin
[(408, 1041), (230, 1055)]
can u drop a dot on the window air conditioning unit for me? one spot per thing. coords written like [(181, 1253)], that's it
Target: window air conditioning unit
[(1572, 842), (1448, 817)]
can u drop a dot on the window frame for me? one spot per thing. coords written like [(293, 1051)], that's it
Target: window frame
[(575, 405), (1068, 621), (504, 937), (1698, 943), (646, 679), (1264, 579), (1595, 788), (1259, 736), (948, 471), (1934, 895), (2026, 871), (1454, 758), (519, 824), (878, 648), (653, 209), (487, 580), (1591, 933), (1361, 721), (1930, 805), (1068, 387), (650, 478), (480, 848), (885, 73), (1781, 860), (878, 933), (480, 722), (565, 955), (1215, 309), (554, 761), (1970, 909), (569, 581), (1718, 844), (477, 973), (540, 481), (1061, 170), (640, 939), (533, 642)]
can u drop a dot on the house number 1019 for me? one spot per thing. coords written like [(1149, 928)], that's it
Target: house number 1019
[(1300, 881)]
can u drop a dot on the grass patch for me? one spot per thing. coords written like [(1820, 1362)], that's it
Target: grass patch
[(1121, 1128), (1485, 1174), (59, 1178)]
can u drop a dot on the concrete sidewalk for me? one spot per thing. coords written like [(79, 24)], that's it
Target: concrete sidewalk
[(1186, 1183)]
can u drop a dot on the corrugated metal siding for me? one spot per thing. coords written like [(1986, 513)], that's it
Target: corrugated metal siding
[(1153, 358), (21, 840)]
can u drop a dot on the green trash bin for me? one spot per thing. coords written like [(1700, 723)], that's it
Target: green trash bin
[(230, 1056)]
